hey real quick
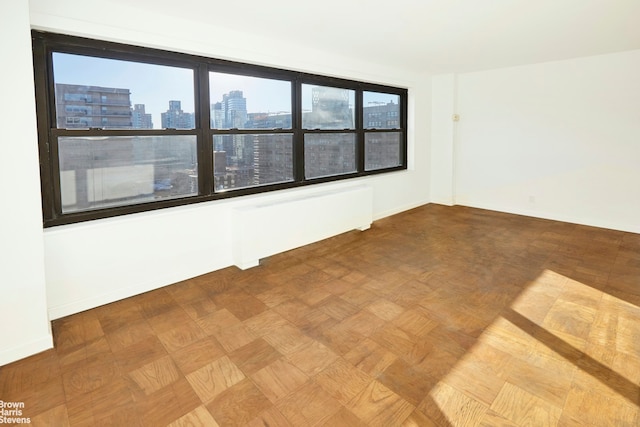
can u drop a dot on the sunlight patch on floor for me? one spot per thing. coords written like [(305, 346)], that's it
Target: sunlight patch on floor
[(563, 350)]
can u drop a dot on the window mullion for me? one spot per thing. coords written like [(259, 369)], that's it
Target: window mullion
[(205, 137), (54, 172), (42, 73), (360, 132), (298, 135)]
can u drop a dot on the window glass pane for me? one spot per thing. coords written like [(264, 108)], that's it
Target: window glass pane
[(114, 94), (326, 107), (244, 102), (99, 172), (329, 154), (242, 161), (381, 150), (381, 110)]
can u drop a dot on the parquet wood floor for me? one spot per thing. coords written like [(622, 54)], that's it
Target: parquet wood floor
[(439, 316)]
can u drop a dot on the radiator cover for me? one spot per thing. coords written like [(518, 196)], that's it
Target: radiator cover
[(262, 230)]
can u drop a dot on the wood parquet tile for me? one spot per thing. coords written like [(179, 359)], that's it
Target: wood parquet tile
[(239, 404), (439, 316), (279, 379), (215, 377), (309, 405), (199, 417), (254, 356), (343, 381)]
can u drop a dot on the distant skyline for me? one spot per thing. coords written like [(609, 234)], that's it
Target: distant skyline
[(151, 85), (262, 95), (156, 85)]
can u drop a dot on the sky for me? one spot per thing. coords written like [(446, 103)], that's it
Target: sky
[(263, 95), (152, 85), (155, 85)]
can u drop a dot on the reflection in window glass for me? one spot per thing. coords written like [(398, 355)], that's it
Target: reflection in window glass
[(328, 154), (326, 107), (381, 150), (380, 110), (100, 172), (114, 94), (242, 161), (244, 102)]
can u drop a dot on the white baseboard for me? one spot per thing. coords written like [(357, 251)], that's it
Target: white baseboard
[(400, 209), (581, 220), (62, 310), (26, 349)]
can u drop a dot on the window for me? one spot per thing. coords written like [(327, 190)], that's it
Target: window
[(329, 154), (126, 129), (328, 120), (105, 171), (98, 169), (252, 159), (327, 107), (382, 150), (251, 124), (383, 141)]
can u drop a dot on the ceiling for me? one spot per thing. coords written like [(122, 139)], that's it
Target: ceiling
[(436, 36)]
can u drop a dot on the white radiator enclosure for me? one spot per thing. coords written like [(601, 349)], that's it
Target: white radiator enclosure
[(262, 230)]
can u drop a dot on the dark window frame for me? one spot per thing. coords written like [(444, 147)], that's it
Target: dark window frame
[(45, 44)]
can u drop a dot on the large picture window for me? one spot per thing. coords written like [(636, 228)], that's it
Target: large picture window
[(125, 129)]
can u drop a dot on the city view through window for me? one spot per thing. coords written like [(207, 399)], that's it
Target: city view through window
[(128, 132)]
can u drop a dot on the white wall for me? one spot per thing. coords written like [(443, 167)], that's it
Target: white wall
[(558, 140), (24, 327), (443, 136), (93, 263)]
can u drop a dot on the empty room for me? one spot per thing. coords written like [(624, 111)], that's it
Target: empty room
[(410, 213)]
